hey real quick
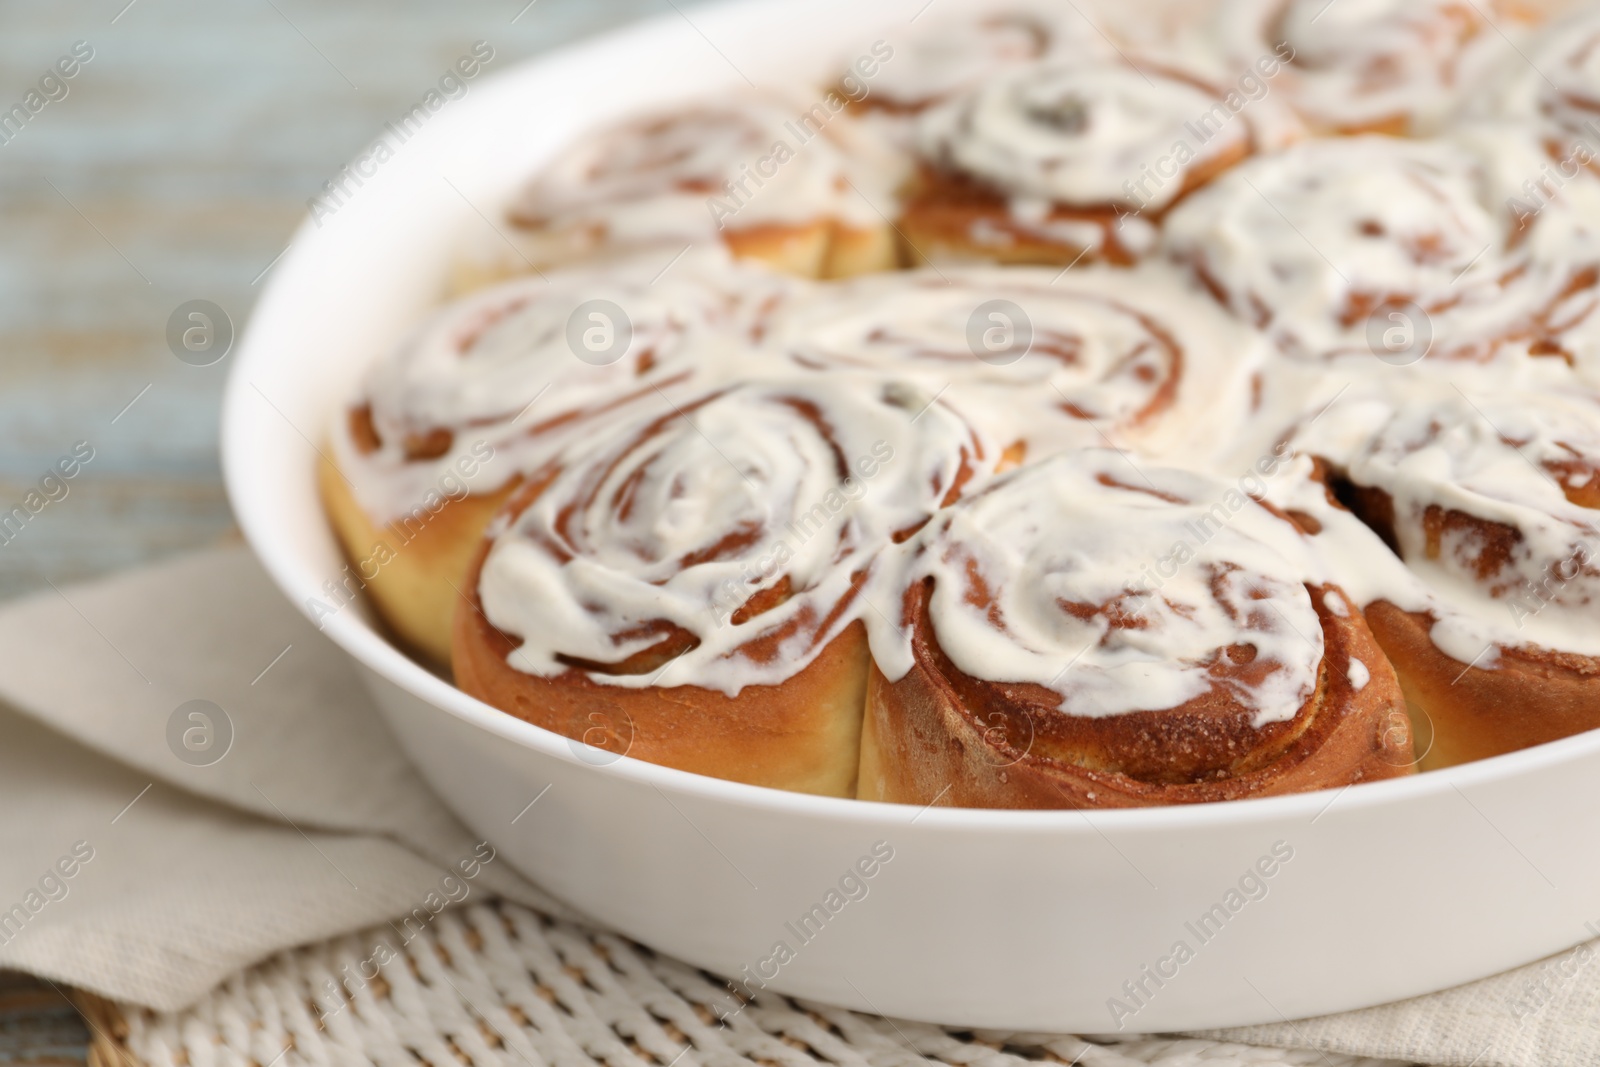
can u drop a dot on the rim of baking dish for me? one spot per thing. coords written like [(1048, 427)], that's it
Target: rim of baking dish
[(264, 526)]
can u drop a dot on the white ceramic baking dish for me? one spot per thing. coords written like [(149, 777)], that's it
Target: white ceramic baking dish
[(1016, 920)]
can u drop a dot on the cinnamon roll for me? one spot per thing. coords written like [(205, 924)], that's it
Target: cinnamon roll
[(1064, 161), (690, 585), (1555, 92), (1384, 66), (1540, 124), (1364, 246), (444, 427), (1042, 361), (1090, 632), (1489, 496), (951, 52), (794, 185)]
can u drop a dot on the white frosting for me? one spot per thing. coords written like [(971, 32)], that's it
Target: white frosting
[(1555, 90), (946, 52), (1361, 64), (1310, 243), (1502, 456), (1121, 587), (1111, 356), (1572, 325), (1359, 675), (1539, 124), (766, 158), (1569, 55), (684, 515), (1077, 133), (497, 370), (1551, 201)]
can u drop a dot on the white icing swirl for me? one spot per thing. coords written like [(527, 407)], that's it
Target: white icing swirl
[(1539, 126), (497, 373), (1485, 488), (658, 535), (1313, 243), (1095, 356), (1568, 60), (768, 159), (951, 52), (1078, 133), (1555, 91), (1122, 587), (1394, 66)]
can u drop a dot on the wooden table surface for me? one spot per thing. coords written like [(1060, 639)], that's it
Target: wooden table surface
[(174, 168)]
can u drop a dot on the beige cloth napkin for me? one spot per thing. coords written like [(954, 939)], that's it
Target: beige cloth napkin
[(313, 823)]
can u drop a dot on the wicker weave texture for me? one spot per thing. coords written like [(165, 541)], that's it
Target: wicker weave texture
[(497, 985)]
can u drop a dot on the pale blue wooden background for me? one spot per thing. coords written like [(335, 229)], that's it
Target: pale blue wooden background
[(191, 142)]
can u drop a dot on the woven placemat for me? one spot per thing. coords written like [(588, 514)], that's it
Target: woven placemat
[(498, 985)]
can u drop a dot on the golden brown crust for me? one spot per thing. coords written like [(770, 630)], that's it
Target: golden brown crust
[(1392, 126), (819, 249), (853, 252), (799, 250), (411, 568), (803, 735), (1529, 697), (943, 209), (1466, 712), (1466, 22), (938, 734)]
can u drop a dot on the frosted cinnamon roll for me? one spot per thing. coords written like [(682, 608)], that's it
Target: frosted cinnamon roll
[(1062, 161), (1554, 202), (1554, 92), (694, 579), (1490, 498), (1381, 66), (793, 184), (1042, 361), (1087, 633), (1540, 125), (1363, 246), (444, 427), (950, 52)]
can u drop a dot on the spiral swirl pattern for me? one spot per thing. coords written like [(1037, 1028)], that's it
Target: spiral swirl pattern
[(650, 180), (1489, 498), (1560, 92), (1122, 588), (1389, 66), (949, 54), (1075, 133), (1313, 244), (1040, 359), (505, 372), (726, 539)]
